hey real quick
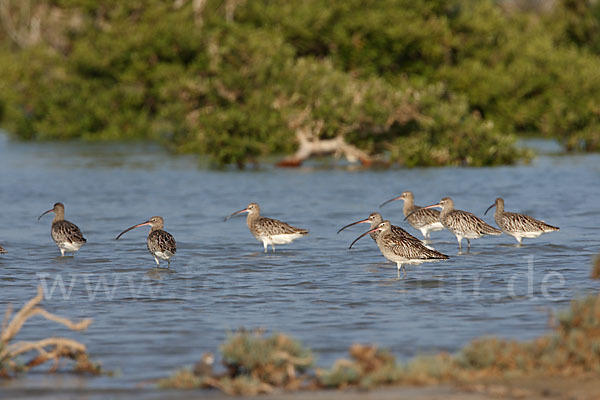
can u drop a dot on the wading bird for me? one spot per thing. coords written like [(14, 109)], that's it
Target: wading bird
[(517, 225), (269, 231), (400, 249), (425, 220), (462, 224), (66, 235), (161, 244)]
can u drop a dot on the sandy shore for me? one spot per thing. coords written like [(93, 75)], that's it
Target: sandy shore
[(533, 388)]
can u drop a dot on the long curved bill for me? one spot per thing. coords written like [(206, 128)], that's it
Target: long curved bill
[(423, 208), (488, 209), (235, 213), (133, 227), (389, 201), (45, 212), (362, 221), (362, 236)]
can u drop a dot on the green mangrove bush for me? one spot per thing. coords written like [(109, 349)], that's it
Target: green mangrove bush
[(412, 82)]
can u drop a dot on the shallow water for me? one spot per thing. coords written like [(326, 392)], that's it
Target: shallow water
[(148, 322)]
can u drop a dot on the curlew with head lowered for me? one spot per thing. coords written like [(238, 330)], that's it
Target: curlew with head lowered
[(400, 249), (161, 244), (462, 224)]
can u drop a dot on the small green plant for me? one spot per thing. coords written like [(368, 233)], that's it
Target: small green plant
[(255, 364)]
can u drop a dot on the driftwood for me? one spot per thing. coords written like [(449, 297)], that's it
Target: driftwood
[(310, 144), (20, 21), (48, 349)]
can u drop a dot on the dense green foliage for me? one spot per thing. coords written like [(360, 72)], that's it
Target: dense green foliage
[(416, 82)]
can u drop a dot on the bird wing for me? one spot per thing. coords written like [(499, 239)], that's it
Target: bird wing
[(423, 217), (515, 222), (410, 249), (160, 240), (270, 227), (396, 230), (65, 231), (464, 221)]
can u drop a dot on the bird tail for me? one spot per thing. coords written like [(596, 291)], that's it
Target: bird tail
[(550, 228), (490, 230), (436, 255)]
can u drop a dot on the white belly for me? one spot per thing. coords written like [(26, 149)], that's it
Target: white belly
[(70, 247), (163, 255), (472, 235), (436, 226), (280, 239)]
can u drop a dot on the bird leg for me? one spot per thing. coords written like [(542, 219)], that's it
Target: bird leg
[(62, 252), (400, 266), (273, 247), (468, 243), (265, 245), (157, 262)]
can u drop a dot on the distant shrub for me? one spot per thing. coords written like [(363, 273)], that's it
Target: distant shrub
[(414, 82)]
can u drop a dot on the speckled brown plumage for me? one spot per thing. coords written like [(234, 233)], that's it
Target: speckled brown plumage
[(269, 231), (263, 226), (463, 224), (425, 220), (402, 249), (2, 251), (65, 234), (65, 231), (518, 225), (161, 244)]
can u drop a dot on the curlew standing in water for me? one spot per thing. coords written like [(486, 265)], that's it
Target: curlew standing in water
[(2, 251), (517, 225), (66, 235), (269, 231), (161, 244), (462, 224), (400, 249), (375, 219), (423, 219)]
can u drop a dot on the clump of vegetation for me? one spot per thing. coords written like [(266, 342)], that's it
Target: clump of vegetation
[(48, 349), (391, 80), (254, 364), (258, 365), (370, 367)]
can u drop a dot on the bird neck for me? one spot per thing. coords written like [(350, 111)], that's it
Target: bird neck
[(58, 216), (382, 234), (156, 228), (446, 210), (251, 218), (499, 208), (409, 205)]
